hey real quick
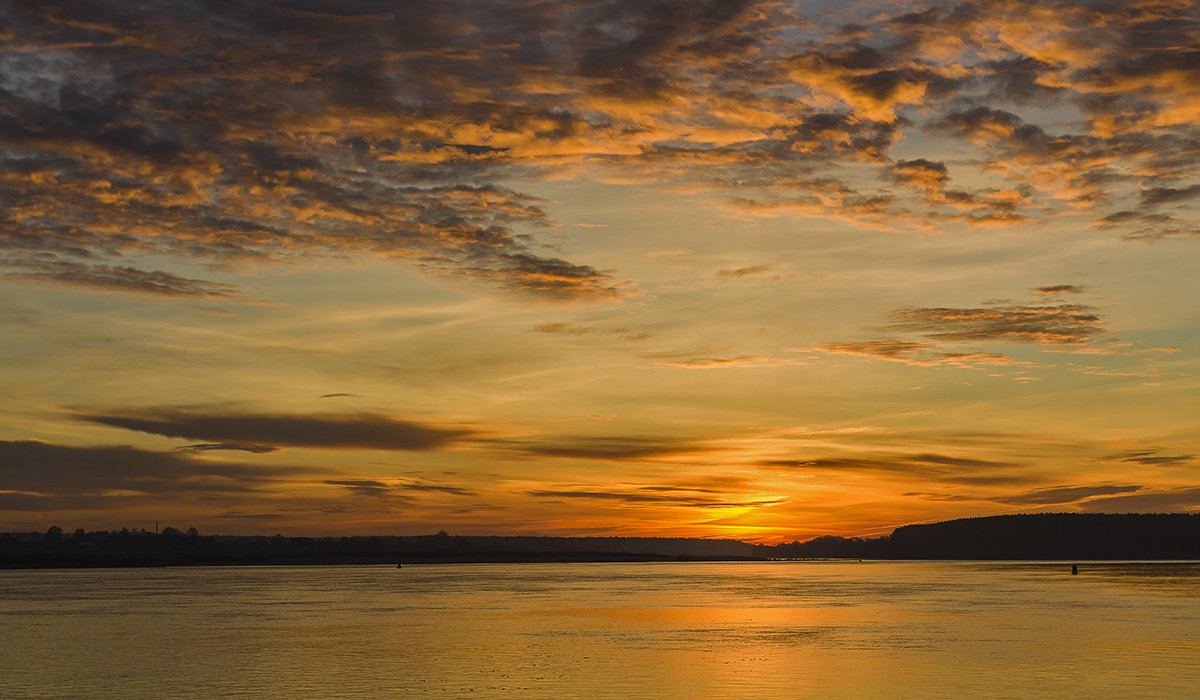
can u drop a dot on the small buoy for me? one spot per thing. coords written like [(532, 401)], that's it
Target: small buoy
[(1074, 569)]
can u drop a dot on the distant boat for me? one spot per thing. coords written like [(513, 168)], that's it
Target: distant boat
[(399, 566), (1074, 569)]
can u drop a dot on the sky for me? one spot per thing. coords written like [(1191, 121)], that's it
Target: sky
[(743, 269)]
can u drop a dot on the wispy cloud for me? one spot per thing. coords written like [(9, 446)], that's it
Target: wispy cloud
[(920, 354), (687, 361)]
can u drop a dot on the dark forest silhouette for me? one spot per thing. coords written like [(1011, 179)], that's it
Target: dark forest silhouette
[(1071, 536)]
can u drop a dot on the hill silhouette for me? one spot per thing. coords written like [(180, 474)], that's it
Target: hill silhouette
[(1025, 536)]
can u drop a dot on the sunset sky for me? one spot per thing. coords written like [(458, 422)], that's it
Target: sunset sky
[(759, 270)]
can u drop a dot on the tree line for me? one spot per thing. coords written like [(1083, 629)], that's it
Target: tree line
[(1070, 536)]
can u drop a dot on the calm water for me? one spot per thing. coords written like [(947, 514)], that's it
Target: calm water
[(779, 629)]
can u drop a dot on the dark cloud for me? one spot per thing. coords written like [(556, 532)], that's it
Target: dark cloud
[(837, 135), (1079, 164), (1142, 226), (946, 460), (1016, 80), (1126, 151), (1168, 195), (889, 349), (986, 124), (871, 80), (1150, 458), (114, 279), (271, 132), (942, 497), (531, 273), (603, 496), (267, 133), (824, 196), (395, 489), (564, 328), (988, 206), (207, 446), (947, 468), (925, 174), (688, 360), (1062, 324), (741, 272), (1179, 499), (34, 502), (1126, 217), (440, 488), (1059, 289), (268, 516), (1056, 327), (570, 329), (648, 496), (1062, 494), (44, 469), (364, 487), (608, 448), (626, 41), (680, 489), (1058, 495), (354, 431)]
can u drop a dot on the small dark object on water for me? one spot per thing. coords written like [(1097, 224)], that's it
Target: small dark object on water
[(399, 566), (1074, 569)]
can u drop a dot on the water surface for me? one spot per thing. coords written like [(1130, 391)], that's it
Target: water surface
[(703, 630)]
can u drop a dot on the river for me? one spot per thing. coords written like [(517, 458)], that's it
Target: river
[(836, 629)]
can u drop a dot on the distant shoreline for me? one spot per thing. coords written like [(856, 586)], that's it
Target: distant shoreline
[(589, 558), (631, 559), (1032, 537)]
